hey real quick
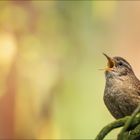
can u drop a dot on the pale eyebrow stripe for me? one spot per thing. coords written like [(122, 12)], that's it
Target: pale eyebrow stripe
[(126, 64)]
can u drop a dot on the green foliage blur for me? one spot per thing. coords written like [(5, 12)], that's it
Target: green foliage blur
[(50, 53)]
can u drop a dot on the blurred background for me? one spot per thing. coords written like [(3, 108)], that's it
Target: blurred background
[(50, 53)]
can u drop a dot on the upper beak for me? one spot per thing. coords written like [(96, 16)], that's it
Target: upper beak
[(110, 63)]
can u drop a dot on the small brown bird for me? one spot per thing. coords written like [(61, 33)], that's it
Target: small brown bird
[(122, 89)]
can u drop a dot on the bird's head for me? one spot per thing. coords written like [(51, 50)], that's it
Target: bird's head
[(117, 66)]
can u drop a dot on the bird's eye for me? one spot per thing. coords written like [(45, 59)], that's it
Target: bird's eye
[(120, 63)]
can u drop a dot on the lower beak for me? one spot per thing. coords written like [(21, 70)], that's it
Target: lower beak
[(110, 63), (108, 69)]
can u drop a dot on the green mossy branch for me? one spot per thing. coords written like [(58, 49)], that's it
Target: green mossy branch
[(130, 130), (128, 124)]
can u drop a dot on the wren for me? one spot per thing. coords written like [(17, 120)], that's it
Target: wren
[(122, 89)]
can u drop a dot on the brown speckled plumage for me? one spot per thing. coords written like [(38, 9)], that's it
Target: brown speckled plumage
[(122, 89)]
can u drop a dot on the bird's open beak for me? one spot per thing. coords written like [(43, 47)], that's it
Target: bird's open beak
[(110, 63)]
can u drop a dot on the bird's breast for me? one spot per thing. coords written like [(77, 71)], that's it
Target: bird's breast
[(119, 101)]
